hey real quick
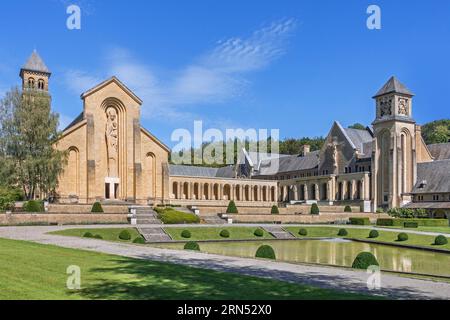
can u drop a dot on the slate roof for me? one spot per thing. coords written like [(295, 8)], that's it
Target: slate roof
[(77, 120), (435, 174), (440, 151), (289, 163), (35, 63), (393, 85), (194, 171), (360, 138)]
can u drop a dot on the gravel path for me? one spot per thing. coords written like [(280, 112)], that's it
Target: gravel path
[(327, 277)]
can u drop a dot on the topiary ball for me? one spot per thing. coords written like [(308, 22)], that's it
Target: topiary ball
[(303, 232), (342, 232), (186, 234), (265, 252), (225, 233), (139, 239), (88, 235), (440, 240), (97, 207), (373, 234), (315, 209), (124, 235), (402, 237), (274, 210), (258, 232), (97, 236), (348, 209), (192, 245), (364, 260)]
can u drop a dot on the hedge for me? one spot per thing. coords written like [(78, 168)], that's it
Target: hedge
[(33, 206), (232, 207), (124, 235), (364, 260), (97, 207), (274, 210), (192, 245), (258, 232), (360, 221), (425, 222), (440, 240), (265, 252), (410, 224), (315, 209), (225, 233), (185, 234)]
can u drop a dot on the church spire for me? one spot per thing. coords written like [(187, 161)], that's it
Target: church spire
[(34, 73)]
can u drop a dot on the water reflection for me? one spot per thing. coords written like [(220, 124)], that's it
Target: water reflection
[(337, 252)]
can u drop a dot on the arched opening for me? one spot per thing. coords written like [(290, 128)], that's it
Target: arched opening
[(175, 194), (272, 194), (72, 173), (264, 193), (324, 191), (227, 192), (255, 193), (237, 190), (313, 192), (31, 83), (340, 195), (41, 84), (349, 190), (216, 191), (196, 194), (206, 191), (186, 190), (247, 193), (301, 195), (359, 190), (149, 173)]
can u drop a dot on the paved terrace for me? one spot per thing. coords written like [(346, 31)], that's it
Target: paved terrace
[(393, 286)]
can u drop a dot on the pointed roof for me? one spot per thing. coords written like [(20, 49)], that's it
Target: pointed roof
[(107, 82), (393, 85), (35, 63)]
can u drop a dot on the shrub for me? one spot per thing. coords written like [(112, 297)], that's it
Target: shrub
[(402, 237), (348, 209), (185, 234), (225, 233), (364, 260), (410, 224), (315, 209), (373, 234), (97, 236), (265, 252), (389, 222), (360, 221), (342, 233), (440, 240), (232, 207), (274, 210), (258, 232), (97, 207), (33, 206), (88, 235), (380, 210), (192, 245), (124, 235), (172, 216), (139, 239), (303, 232)]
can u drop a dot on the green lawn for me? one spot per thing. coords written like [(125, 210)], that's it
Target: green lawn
[(35, 271), (363, 234), (212, 233), (111, 234), (426, 229)]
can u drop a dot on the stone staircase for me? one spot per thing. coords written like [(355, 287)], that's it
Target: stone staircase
[(146, 215), (279, 233), (148, 225), (214, 219), (154, 234)]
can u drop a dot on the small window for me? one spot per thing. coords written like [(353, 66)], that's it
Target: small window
[(31, 83), (41, 84)]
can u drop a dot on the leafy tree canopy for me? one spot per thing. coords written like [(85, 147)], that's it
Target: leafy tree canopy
[(436, 131)]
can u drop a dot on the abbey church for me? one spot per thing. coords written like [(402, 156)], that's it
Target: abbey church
[(111, 157)]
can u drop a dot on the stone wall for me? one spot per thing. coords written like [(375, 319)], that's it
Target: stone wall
[(80, 208), (55, 218)]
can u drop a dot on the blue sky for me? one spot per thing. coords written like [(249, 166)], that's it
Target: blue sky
[(290, 65)]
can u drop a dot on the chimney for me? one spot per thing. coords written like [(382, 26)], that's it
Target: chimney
[(306, 148)]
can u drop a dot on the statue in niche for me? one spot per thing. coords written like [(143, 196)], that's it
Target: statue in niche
[(112, 138), (403, 106)]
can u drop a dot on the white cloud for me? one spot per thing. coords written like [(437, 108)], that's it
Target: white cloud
[(215, 77)]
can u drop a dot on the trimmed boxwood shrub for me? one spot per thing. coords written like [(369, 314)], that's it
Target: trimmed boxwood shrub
[(348, 209), (33, 206), (232, 207), (315, 209), (440, 240), (186, 234), (360, 221), (303, 232), (402, 237), (88, 235), (97, 236), (192, 245), (388, 222), (410, 224), (373, 234), (364, 260), (97, 208), (265, 252), (224, 233), (422, 222), (124, 235), (342, 232), (258, 232), (274, 210), (139, 239)]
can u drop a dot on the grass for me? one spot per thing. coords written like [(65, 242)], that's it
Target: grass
[(425, 229), (363, 234), (38, 272), (110, 234), (212, 233), (169, 215)]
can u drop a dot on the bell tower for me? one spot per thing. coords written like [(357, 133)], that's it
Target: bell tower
[(35, 74), (394, 159)]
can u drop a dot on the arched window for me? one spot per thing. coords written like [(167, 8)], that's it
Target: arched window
[(31, 83), (41, 84)]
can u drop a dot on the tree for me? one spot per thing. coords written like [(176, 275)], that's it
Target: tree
[(28, 132), (436, 131), (358, 126)]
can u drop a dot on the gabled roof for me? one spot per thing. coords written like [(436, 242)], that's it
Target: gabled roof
[(393, 85), (440, 151), (107, 82), (35, 63), (77, 120), (433, 177), (360, 138), (208, 172), (288, 163)]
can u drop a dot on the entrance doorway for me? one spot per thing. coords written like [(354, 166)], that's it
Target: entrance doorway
[(111, 188)]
